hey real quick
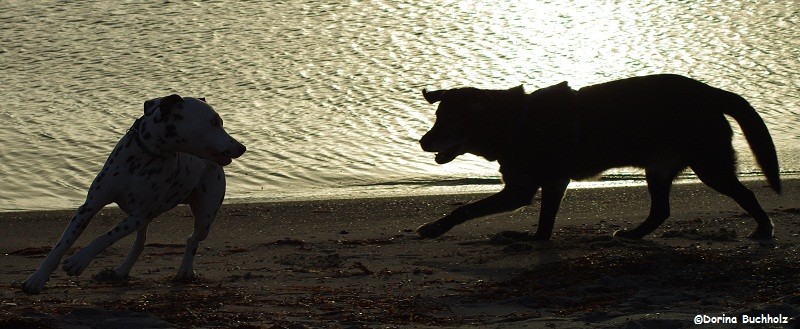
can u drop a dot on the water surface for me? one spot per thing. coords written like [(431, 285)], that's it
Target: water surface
[(326, 94)]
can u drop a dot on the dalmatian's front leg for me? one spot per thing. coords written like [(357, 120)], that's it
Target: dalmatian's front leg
[(124, 269), (205, 201), (77, 263), (36, 282)]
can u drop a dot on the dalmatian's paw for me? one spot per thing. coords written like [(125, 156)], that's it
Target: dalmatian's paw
[(35, 283), (77, 263)]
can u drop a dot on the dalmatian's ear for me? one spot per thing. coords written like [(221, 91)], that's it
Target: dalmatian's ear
[(168, 103), (150, 106)]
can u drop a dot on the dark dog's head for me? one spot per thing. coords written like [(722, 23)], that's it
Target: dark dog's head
[(188, 125), (469, 120)]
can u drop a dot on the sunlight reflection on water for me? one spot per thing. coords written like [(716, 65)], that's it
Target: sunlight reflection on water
[(326, 95)]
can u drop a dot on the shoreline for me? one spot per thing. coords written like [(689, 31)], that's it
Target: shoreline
[(357, 262), (388, 190)]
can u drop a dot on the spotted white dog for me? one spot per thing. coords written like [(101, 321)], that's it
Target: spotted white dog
[(173, 154)]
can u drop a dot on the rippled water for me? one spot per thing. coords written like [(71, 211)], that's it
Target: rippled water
[(326, 94)]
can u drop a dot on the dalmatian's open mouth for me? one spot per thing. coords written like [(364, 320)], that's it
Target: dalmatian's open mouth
[(219, 158)]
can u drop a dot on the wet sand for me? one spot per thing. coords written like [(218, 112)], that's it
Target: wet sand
[(358, 263)]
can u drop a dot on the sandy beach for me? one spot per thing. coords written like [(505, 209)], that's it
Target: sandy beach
[(359, 264)]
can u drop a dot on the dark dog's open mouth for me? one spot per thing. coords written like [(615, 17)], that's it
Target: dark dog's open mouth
[(449, 154)]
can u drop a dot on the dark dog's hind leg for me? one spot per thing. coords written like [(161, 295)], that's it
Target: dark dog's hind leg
[(723, 179), (659, 182)]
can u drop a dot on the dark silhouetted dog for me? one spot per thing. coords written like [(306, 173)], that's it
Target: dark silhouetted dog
[(662, 123)]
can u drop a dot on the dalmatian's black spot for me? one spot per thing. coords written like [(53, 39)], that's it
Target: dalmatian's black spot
[(154, 171), (170, 131)]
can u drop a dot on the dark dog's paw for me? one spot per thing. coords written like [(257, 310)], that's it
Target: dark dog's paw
[(627, 234), (761, 234), (540, 237), (432, 230)]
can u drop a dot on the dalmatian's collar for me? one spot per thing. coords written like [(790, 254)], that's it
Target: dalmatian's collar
[(136, 135)]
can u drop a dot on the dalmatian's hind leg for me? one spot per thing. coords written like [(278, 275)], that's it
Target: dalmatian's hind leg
[(77, 263), (124, 269), (36, 282), (205, 201)]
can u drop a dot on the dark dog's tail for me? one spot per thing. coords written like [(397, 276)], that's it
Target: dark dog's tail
[(757, 135)]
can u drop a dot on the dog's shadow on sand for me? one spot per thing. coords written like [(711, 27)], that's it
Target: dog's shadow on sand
[(607, 276)]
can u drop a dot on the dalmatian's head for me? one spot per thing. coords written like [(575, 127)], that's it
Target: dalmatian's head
[(187, 125)]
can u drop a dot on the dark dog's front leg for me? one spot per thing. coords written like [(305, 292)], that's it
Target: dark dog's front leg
[(552, 194), (506, 200)]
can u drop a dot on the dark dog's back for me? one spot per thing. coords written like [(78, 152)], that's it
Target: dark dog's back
[(642, 120)]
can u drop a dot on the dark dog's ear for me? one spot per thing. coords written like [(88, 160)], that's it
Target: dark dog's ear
[(202, 99), (562, 85), (167, 103), (517, 90), (432, 96)]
